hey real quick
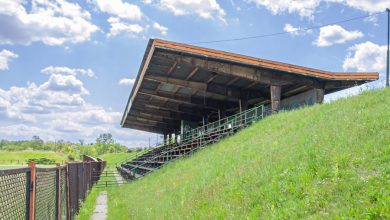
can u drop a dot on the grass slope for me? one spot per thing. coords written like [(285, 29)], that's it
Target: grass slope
[(326, 161), (112, 159), (20, 157)]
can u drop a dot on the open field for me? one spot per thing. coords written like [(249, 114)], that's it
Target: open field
[(327, 161), (20, 157), (113, 158)]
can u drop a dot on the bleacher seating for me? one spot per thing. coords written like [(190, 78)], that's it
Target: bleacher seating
[(196, 139)]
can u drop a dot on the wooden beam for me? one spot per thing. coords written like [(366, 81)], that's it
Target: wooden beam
[(179, 99), (153, 116), (172, 68), (235, 79), (212, 78), (246, 72), (172, 107), (178, 82), (219, 91), (192, 73), (167, 114), (251, 84)]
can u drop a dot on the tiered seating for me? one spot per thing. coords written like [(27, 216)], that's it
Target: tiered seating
[(197, 138)]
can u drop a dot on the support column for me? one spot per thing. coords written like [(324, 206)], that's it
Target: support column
[(319, 95), (275, 97)]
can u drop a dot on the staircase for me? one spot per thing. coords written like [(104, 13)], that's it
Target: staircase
[(193, 140)]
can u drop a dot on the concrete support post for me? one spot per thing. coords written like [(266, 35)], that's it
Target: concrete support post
[(319, 95), (275, 97)]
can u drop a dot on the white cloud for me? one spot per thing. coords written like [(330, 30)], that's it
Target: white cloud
[(304, 8), (366, 56), (120, 9), (368, 5), (335, 34), (5, 57), (363, 57), (204, 8), (147, 1), (307, 8), (67, 71), (126, 82), (56, 109), (65, 83), (295, 31), (119, 27), (163, 30), (53, 22)]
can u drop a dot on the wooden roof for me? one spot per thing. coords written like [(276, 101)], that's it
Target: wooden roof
[(178, 81)]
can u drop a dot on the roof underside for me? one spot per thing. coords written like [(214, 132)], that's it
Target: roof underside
[(181, 82)]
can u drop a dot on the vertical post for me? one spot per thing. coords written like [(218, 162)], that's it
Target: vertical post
[(31, 164), (319, 95), (68, 206), (58, 175), (388, 42), (275, 97)]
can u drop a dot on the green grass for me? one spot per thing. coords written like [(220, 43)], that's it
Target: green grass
[(20, 157), (329, 161), (113, 158), (325, 161)]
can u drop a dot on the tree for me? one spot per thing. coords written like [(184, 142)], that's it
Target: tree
[(105, 138)]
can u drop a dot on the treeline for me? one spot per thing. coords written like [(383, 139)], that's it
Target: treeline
[(105, 143)]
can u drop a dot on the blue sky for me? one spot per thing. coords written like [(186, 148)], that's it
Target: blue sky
[(67, 67)]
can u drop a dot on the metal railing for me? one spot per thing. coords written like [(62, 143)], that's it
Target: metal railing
[(205, 135)]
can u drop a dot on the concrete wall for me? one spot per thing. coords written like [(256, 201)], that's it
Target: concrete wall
[(307, 98)]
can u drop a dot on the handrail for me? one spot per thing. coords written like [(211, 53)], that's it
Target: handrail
[(153, 147), (233, 123)]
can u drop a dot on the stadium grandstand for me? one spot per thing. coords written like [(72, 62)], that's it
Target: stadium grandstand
[(195, 96)]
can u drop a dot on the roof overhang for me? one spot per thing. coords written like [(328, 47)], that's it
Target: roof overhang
[(182, 82)]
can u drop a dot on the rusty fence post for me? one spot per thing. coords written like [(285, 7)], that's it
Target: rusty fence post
[(31, 164), (58, 176), (68, 207)]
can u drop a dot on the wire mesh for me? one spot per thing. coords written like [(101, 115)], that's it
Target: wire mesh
[(63, 194), (14, 193), (46, 194)]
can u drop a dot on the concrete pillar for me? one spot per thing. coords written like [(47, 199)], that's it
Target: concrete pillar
[(319, 95), (275, 97)]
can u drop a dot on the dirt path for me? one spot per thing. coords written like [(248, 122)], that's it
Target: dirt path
[(100, 212)]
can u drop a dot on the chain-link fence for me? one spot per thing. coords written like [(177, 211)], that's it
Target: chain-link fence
[(46, 193)]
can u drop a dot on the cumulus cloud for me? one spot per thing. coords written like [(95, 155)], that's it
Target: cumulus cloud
[(163, 30), (56, 109), (126, 82), (363, 57), (65, 83), (118, 8), (206, 9), (335, 34), (303, 8), (295, 31), (5, 57), (366, 56), (67, 71), (307, 8), (120, 27), (53, 22)]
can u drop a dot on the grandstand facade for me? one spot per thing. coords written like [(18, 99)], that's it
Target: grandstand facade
[(178, 82), (202, 95)]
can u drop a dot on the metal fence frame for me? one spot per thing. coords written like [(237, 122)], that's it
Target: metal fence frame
[(47, 193)]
